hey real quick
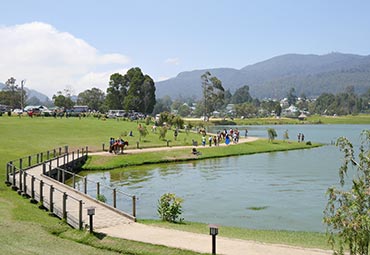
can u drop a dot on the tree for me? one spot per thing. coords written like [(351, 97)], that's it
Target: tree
[(63, 101), (93, 98), (347, 213), (141, 91), (241, 95), (213, 93), (292, 97), (246, 110), (163, 105), (116, 92), (13, 95)]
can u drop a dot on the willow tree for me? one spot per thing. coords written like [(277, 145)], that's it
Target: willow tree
[(347, 214)]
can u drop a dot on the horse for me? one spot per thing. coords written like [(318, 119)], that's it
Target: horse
[(118, 147)]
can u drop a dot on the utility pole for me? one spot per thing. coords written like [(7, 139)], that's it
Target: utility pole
[(22, 98)]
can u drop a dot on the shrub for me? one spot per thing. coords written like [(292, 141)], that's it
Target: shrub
[(271, 134), (162, 133), (169, 207), (101, 198)]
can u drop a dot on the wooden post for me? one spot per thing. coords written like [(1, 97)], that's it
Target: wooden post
[(32, 188), (66, 149), (58, 174), (20, 163), (41, 192), (80, 215), (55, 152), (85, 184), (74, 180), (37, 158), (24, 183), (20, 180), (114, 197), (60, 151), (8, 166), (50, 168), (58, 161), (98, 190), (14, 186), (103, 145), (83, 151), (87, 151), (63, 176), (44, 168), (47, 155), (51, 198), (78, 153), (134, 206), (65, 205), (29, 160), (41, 157)]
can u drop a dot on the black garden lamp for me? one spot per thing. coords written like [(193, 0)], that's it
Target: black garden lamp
[(91, 213), (213, 231)]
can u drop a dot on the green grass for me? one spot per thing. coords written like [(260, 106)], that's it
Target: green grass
[(25, 229), (294, 238)]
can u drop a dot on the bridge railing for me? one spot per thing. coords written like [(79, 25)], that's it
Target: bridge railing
[(51, 198), (117, 198)]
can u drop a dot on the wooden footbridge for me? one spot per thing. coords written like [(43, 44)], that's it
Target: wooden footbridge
[(43, 177)]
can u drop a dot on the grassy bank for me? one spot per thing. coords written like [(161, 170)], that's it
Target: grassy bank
[(294, 238), (25, 229), (177, 155), (314, 119)]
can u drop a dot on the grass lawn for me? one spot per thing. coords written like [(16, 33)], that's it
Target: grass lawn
[(25, 229)]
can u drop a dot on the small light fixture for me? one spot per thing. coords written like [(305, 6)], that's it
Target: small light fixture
[(91, 213), (213, 231)]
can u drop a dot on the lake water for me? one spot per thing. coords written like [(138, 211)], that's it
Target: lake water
[(281, 190)]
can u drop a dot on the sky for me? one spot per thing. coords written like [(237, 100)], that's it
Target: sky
[(78, 44)]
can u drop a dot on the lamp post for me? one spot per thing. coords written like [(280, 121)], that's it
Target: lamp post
[(91, 213), (213, 231)]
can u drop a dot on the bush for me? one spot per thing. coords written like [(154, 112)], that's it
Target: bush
[(308, 143), (271, 134), (169, 207), (101, 198)]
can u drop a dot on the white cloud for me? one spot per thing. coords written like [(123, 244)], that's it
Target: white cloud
[(172, 61), (51, 60)]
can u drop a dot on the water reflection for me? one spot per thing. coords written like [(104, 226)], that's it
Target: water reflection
[(280, 190)]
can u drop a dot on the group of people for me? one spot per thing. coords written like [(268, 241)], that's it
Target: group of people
[(231, 135), (117, 145), (300, 137)]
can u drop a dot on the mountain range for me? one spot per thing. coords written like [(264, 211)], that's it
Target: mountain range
[(273, 78), (31, 93)]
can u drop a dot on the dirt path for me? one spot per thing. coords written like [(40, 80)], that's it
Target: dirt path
[(198, 242)]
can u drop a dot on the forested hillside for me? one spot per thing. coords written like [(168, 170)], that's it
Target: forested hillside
[(308, 74)]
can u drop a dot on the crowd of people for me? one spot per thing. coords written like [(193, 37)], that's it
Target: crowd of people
[(227, 136)]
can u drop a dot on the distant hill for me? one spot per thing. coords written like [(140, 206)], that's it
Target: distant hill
[(308, 74), (31, 93)]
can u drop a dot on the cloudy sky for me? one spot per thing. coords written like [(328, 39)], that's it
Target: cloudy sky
[(78, 44)]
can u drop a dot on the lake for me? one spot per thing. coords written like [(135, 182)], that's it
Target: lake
[(281, 190)]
